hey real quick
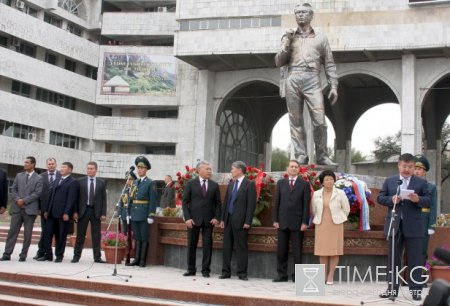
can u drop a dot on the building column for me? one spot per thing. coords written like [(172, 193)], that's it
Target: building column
[(344, 157), (411, 132), (204, 131)]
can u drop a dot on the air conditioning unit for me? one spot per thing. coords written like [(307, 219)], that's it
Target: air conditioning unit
[(20, 4), (16, 42), (32, 136), (162, 9)]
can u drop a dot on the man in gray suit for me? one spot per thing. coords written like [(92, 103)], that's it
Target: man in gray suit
[(168, 194), (50, 178), (26, 190)]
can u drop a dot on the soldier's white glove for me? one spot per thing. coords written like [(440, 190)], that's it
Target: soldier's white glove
[(150, 220), (430, 232), (128, 219)]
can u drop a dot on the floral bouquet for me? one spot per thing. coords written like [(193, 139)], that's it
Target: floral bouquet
[(182, 179), (110, 239), (359, 198), (434, 261)]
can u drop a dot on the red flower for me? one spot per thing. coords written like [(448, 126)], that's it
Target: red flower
[(181, 182), (264, 174), (178, 174), (177, 188), (180, 196), (188, 176), (317, 183), (187, 167), (263, 185), (271, 180), (251, 177), (285, 175), (303, 170), (313, 173), (312, 166), (262, 166)]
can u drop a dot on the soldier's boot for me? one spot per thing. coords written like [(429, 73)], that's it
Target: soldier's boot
[(144, 249), (137, 253)]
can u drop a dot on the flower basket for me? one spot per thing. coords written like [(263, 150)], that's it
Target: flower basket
[(110, 253), (263, 182), (180, 184), (437, 268)]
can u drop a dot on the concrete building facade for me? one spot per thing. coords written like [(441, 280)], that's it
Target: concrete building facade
[(84, 80)]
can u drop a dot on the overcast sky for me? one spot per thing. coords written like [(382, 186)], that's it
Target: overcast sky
[(380, 120)]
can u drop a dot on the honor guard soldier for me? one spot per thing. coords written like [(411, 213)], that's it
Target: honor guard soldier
[(142, 210), (123, 205)]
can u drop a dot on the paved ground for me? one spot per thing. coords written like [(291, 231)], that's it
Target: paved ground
[(171, 278)]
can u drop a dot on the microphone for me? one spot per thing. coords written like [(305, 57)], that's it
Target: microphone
[(129, 171), (442, 255), (399, 182)]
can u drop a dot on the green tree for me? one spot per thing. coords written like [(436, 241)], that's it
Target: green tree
[(358, 156), (386, 147), (280, 160)]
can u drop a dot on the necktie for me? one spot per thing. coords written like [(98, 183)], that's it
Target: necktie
[(51, 177), (204, 188), (28, 177), (233, 197), (60, 181), (405, 183), (291, 184), (91, 192)]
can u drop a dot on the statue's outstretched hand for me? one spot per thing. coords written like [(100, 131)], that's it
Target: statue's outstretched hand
[(333, 96)]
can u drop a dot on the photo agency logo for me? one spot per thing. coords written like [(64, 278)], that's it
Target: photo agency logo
[(309, 280)]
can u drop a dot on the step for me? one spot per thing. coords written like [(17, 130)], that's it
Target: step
[(10, 300), (79, 297)]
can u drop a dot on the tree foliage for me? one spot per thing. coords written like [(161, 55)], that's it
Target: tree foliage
[(386, 147), (280, 160), (358, 156)]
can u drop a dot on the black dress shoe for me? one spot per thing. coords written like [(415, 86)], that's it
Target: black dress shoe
[(58, 259), (224, 276), (75, 260), (37, 256), (388, 293), (189, 273), (280, 279), (5, 258), (205, 274), (44, 258), (99, 261), (416, 296), (22, 259), (244, 278)]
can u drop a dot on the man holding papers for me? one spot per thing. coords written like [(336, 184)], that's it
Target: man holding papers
[(413, 195)]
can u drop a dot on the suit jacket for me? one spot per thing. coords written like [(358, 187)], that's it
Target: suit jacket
[(47, 189), (244, 206), (28, 191), (339, 206), (410, 213), (167, 197), (291, 206), (63, 197), (198, 208), (99, 198), (3, 189)]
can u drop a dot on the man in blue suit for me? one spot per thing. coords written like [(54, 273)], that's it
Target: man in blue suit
[(408, 224), (60, 207)]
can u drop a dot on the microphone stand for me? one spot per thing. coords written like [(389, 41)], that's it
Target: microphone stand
[(391, 233), (121, 276)]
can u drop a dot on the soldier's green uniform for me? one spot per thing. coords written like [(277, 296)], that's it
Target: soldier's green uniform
[(142, 211), (124, 204)]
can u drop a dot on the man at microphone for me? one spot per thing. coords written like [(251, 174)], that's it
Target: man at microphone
[(411, 194)]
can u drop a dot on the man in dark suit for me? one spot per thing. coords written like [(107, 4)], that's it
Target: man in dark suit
[(49, 178), (26, 190), (201, 210), (290, 218), (237, 215), (60, 207), (90, 208), (408, 227), (3, 191), (168, 193)]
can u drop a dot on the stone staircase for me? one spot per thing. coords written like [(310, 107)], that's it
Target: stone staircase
[(34, 238)]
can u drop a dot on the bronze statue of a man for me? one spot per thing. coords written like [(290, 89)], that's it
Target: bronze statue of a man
[(303, 51)]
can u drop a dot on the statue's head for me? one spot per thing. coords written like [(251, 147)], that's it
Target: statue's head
[(303, 13)]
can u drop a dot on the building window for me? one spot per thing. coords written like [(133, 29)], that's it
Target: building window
[(57, 22), (74, 29), (238, 136), (163, 113), (26, 49), (22, 89), (16, 130), (3, 41), (91, 72), (7, 2), (160, 149), (70, 65), (50, 58), (55, 98), (30, 11), (64, 140)]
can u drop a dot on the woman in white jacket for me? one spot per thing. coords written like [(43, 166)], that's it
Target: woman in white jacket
[(330, 208)]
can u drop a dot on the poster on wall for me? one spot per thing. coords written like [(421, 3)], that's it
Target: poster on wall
[(138, 74)]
